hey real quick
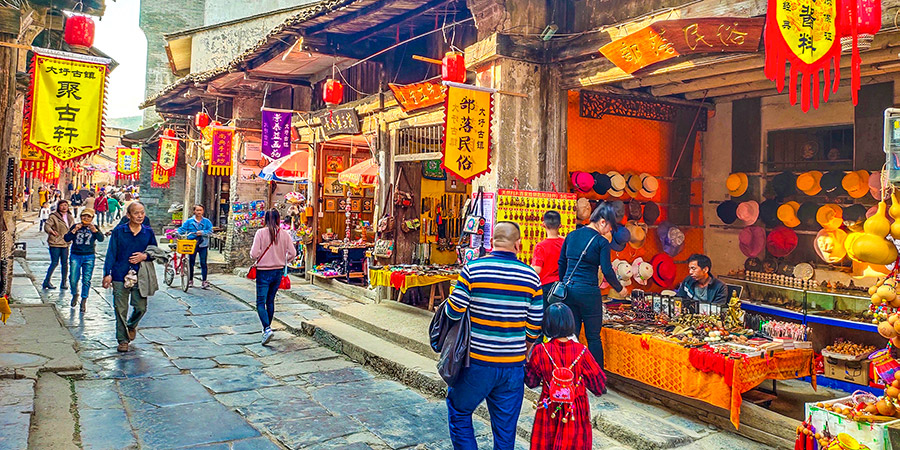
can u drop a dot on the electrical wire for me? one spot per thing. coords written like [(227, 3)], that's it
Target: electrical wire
[(409, 40)]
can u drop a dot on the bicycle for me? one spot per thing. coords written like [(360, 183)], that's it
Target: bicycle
[(178, 261)]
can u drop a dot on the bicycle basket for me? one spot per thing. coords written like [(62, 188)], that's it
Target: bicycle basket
[(186, 246)]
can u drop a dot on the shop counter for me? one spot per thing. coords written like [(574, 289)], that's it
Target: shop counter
[(666, 365), (406, 281)]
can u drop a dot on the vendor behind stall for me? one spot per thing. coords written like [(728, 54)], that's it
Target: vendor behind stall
[(701, 285)]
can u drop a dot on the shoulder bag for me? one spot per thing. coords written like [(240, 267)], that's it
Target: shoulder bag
[(559, 291), (251, 274)]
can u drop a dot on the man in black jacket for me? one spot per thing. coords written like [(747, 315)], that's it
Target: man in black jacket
[(701, 285)]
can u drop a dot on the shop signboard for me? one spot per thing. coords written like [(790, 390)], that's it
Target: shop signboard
[(340, 121), (128, 163), (220, 154), (276, 133), (488, 201), (167, 155), (416, 96), (467, 131), (667, 39)]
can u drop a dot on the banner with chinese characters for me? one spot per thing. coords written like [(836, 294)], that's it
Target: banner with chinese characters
[(34, 160), (804, 33), (276, 133), (167, 156), (50, 172), (128, 163), (64, 108), (417, 96), (670, 38), (467, 132), (220, 156), (160, 178)]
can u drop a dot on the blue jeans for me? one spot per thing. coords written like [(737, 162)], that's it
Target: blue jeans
[(203, 252), (267, 282), (502, 387), (58, 255), (82, 267)]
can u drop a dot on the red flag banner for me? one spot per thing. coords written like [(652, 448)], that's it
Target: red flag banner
[(220, 157)]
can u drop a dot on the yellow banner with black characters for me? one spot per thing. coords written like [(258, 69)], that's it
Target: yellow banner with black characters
[(467, 132), (64, 113), (128, 163)]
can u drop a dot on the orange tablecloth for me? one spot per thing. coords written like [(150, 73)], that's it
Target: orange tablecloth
[(665, 365)]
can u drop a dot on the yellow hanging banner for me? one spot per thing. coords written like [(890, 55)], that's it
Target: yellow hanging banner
[(64, 111), (467, 132), (128, 163)]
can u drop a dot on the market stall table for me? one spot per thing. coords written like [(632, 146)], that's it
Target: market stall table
[(382, 277), (350, 256), (666, 365)]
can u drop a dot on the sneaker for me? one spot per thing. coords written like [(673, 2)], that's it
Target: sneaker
[(122, 348), (132, 333), (48, 286), (74, 302), (190, 283), (205, 285), (64, 287), (83, 305), (267, 336)]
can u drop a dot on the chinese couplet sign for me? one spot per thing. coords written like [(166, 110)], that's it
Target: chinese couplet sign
[(417, 96), (167, 156), (276, 133), (220, 156), (64, 110), (670, 38), (128, 163), (804, 33), (467, 132), (160, 178)]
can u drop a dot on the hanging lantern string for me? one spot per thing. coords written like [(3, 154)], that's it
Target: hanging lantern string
[(78, 6)]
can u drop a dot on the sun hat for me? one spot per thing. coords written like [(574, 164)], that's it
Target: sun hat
[(832, 183), (623, 271), (752, 241), (768, 213), (810, 182), (784, 184), (663, 270), (601, 183), (737, 184), (632, 184), (807, 213), (830, 216), (830, 245), (856, 183), (638, 231), (651, 213), (582, 181), (616, 183), (649, 186), (787, 214), (582, 209), (642, 270), (727, 211), (781, 241), (748, 212), (633, 210), (671, 238)]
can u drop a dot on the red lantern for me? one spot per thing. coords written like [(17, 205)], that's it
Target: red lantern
[(333, 92), (201, 120), (453, 67), (79, 32), (868, 24), (169, 132)]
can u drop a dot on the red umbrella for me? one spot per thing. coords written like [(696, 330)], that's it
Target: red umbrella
[(364, 174)]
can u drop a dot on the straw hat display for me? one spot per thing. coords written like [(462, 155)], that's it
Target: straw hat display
[(810, 182), (649, 186), (737, 184), (616, 183), (642, 271)]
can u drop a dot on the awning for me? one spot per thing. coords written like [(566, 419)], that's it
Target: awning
[(293, 167), (364, 174)]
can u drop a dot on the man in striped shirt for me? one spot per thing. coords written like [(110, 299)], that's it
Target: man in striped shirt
[(505, 304)]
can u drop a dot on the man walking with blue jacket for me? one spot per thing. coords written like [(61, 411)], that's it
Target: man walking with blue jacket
[(199, 228)]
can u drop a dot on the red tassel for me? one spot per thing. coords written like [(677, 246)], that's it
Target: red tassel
[(809, 442)]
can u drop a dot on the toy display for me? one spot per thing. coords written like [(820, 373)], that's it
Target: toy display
[(248, 215)]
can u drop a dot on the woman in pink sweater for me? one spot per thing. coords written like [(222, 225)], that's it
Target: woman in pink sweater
[(272, 249)]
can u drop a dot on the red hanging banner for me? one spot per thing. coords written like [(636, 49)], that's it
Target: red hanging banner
[(803, 33), (159, 178), (167, 155), (220, 156)]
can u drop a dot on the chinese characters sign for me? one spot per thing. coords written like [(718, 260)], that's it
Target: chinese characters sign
[(160, 178), (670, 38), (276, 133), (467, 132), (64, 113), (220, 156), (128, 163), (340, 121), (804, 33), (167, 155), (417, 96), (34, 160)]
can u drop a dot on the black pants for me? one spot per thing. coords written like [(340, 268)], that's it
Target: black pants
[(586, 303)]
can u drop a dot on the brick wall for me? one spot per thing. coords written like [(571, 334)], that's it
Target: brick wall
[(158, 200)]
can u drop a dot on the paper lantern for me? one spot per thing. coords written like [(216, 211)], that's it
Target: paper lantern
[(453, 67), (79, 32), (333, 92), (867, 25), (201, 120), (169, 132)]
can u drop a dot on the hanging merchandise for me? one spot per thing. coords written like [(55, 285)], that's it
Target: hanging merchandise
[(220, 154), (467, 131), (65, 105), (160, 178), (276, 133), (167, 154), (527, 208), (128, 163)]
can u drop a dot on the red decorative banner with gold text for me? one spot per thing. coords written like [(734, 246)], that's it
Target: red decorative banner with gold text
[(220, 156)]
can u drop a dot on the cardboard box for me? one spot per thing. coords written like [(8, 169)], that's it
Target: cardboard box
[(851, 371)]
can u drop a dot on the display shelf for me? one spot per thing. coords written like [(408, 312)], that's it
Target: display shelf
[(843, 323), (773, 310)]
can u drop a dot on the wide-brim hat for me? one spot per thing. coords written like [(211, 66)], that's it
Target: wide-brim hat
[(784, 184), (601, 183), (664, 271), (582, 181), (651, 213), (632, 184), (875, 184), (830, 216), (768, 213), (638, 231), (787, 214), (807, 213), (623, 271), (856, 183), (649, 186), (582, 209), (832, 183), (810, 182), (830, 245), (616, 183), (727, 211), (641, 270), (674, 241), (781, 241), (737, 184), (620, 238), (854, 216), (752, 241), (748, 212)]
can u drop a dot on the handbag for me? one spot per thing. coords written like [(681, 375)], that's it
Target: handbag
[(384, 248), (559, 291), (474, 222), (562, 387), (452, 339), (251, 274), (285, 281), (131, 279), (431, 170)]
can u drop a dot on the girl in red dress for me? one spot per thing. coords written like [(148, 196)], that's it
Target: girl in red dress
[(563, 417)]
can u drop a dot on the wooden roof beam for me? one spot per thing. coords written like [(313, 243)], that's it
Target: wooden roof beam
[(346, 18), (396, 20), (865, 71), (845, 82)]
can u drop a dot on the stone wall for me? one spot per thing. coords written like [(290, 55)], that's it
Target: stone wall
[(158, 200), (218, 46), (218, 11), (238, 242), (158, 18)]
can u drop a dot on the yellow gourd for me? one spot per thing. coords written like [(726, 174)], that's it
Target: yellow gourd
[(886, 292), (894, 210), (872, 249), (878, 225)]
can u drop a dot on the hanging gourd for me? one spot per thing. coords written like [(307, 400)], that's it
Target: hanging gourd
[(453, 67), (79, 32), (333, 92)]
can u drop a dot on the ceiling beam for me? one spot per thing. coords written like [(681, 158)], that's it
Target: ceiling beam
[(287, 81), (346, 18), (845, 82), (396, 20)]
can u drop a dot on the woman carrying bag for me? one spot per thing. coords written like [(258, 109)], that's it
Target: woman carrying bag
[(272, 249)]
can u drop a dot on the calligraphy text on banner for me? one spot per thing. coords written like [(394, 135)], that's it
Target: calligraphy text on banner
[(220, 157), (34, 160), (128, 163), (467, 132), (167, 155), (64, 111), (667, 39), (340, 121), (160, 178), (276, 133), (417, 96)]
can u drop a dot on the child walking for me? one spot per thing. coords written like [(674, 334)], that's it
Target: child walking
[(566, 370), (45, 214)]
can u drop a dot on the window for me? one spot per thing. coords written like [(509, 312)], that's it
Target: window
[(824, 148)]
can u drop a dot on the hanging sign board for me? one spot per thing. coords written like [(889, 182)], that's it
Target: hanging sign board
[(467, 132), (160, 177), (220, 154), (167, 155), (667, 39), (340, 121), (276, 133), (128, 163), (417, 96)]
